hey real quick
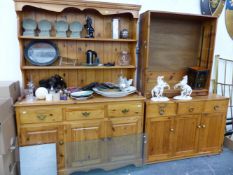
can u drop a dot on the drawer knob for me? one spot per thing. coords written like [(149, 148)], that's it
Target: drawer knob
[(191, 109), (172, 130), (41, 116), (203, 126), (199, 126), (86, 114), (216, 107), (61, 142), (124, 111), (161, 111)]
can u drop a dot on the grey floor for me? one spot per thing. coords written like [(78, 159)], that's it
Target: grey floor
[(41, 160), (208, 165)]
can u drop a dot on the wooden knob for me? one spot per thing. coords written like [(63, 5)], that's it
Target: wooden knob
[(172, 130), (61, 142), (199, 126), (203, 126)]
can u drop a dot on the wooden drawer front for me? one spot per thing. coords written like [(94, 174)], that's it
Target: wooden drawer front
[(40, 115), (190, 107), (85, 112), (160, 109), (125, 109), (216, 106)]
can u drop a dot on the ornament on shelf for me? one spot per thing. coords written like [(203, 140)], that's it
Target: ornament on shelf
[(29, 26), (61, 28), (44, 27), (75, 28), (89, 28), (186, 90), (41, 93), (157, 91)]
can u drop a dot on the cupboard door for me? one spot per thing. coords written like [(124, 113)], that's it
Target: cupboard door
[(212, 132), (83, 143), (186, 134), (159, 132), (44, 135), (125, 144)]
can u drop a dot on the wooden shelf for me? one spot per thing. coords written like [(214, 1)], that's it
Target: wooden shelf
[(78, 39), (78, 67)]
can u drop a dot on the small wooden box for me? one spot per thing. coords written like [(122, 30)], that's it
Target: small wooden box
[(197, 77)]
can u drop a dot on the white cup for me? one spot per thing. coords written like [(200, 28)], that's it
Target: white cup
[(49, 97), (56, 96)]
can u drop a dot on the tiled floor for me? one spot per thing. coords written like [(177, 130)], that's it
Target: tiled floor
[(208, 165)]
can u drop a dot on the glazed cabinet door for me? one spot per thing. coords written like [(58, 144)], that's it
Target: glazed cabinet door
[(83, 143), (186, 130), (212, 132), (125, 142), (159, 131), (43, 135)]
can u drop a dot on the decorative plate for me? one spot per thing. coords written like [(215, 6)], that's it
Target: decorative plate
[(44, 25), (76, 26), (41, 53), (29, 24)]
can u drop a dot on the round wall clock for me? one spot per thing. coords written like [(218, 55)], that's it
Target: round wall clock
[(41, 53)]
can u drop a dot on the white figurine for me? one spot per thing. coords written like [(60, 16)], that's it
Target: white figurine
[(157, 91), (186, 90)]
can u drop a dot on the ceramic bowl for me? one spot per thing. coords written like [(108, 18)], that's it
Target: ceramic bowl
[(29, 24), (81, 94), (76, 26)]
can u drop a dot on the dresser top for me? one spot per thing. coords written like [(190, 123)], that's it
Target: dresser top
[(95, 99)]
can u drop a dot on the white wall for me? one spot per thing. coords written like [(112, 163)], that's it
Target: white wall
[(9, 48)]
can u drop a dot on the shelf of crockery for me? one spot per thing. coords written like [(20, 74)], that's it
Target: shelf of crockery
[(77, 39)]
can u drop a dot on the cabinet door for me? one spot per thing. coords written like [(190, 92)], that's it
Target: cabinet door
[(83, 143), (212, 132), (125, 142), (44, 135), (186, 130), (159, 131)]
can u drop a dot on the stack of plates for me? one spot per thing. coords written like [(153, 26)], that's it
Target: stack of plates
[(125, 92), (81, 95)]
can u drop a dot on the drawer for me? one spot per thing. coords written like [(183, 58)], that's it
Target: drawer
[(125, 109), (40, 115), (84, 112), (160, 109), (190, 107), (216, 106)]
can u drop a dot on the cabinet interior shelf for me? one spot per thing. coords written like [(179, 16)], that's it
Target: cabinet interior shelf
[(78, 39), (78, 67)]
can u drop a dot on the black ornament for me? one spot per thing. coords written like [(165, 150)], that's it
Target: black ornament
[(89, 28)]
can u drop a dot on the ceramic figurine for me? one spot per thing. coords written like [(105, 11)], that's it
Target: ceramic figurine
[(89, 28), (186, 90), (123, 83), (29, 26), (44, 27), (157, 91), (75, 28), (61, 28)]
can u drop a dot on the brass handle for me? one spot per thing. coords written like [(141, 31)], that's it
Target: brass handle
[(124, 111), (161, 111), (172, 130), (86, 114), (203, 126), (41, 116), (216, 107), (191, 109), (61, 142), (199, 126)]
